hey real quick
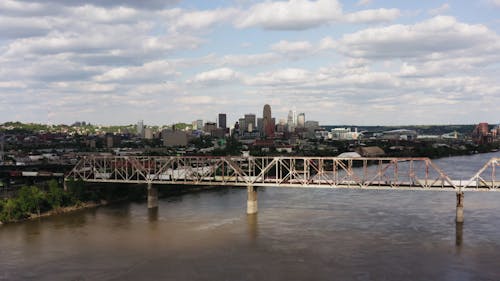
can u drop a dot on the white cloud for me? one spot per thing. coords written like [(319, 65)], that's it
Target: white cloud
[(12, 84), (279, 77), (218, 75), (496, 2), (15, 27), (197, 20), (327, 43), (304, 14), (249, 59), (440, 10), (105, 15), (292, 14), (143, 4), (435, 36), (286, 47), (158, 71), (195, 100), (372, 16)]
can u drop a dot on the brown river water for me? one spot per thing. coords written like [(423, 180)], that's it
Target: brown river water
[(298, 234)]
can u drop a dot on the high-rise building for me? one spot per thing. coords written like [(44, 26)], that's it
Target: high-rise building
[(267, 121), (249, 122), (222, 120), (290, 122), (242, 125), (260, 124), (281, 126), (301, 120), (140, 128)]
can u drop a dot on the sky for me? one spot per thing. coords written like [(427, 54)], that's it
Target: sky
[(366, 62)]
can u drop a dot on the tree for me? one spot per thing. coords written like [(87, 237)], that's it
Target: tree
[(55, 196), (11, 210), (31, 199)]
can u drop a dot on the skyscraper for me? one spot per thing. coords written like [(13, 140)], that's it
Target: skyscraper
[(140, 128), (301, 120), (290, 121), (267, 121), (249, 122), (222, 120)]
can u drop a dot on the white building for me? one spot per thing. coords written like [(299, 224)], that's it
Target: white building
[(343, 134)]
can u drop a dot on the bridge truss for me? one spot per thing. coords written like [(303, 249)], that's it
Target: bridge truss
[(488, 176), (378, 173)]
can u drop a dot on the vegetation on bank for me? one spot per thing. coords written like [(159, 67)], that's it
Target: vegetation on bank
[(34, 200)]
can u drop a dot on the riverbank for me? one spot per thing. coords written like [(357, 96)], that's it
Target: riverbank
[(129, 193), (61, 210)]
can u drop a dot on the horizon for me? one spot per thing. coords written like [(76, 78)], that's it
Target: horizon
[(369, 62)]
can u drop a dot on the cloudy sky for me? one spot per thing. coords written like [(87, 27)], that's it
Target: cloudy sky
[(163, 61)]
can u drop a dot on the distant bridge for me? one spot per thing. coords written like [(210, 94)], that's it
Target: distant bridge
[(325, 172)]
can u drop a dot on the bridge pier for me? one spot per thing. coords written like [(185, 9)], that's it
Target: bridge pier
[(460, 207), (152, 196), (251, 200)]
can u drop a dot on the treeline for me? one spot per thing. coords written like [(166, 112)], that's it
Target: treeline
[(36, 200)]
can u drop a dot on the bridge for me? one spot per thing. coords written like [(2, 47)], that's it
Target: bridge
[(282, 171)]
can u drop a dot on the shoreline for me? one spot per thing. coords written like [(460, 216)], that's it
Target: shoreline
[(62, 210), (89, 205)]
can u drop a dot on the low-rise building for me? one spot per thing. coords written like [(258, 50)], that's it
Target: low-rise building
[(174, 138)]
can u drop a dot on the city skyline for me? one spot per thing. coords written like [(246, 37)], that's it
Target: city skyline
[(341, 62)]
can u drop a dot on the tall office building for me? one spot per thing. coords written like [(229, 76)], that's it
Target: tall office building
[(267, 121), (290, 121), (222, 120), (140, 128), (249, 122), (242, 125), (301, 120), (260, 124)]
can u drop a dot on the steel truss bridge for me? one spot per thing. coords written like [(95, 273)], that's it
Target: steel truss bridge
[(329, 172), (308, 172)]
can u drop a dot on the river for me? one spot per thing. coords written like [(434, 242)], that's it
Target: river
[(298, 234)]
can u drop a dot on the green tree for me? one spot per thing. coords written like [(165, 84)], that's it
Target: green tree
[(76, 190), (31, 199), (55, 196), (11, 211)]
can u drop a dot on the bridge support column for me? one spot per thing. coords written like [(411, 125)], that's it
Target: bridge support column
[(152, 196), (460, 207), (251, 200)]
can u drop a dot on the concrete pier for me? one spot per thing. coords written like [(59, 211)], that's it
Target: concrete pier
[(152, 196), (459, 230), (252, 200), (460, 207)]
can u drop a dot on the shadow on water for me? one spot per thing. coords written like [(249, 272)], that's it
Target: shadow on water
[(252, 227), (153, 214), (459, 227)]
